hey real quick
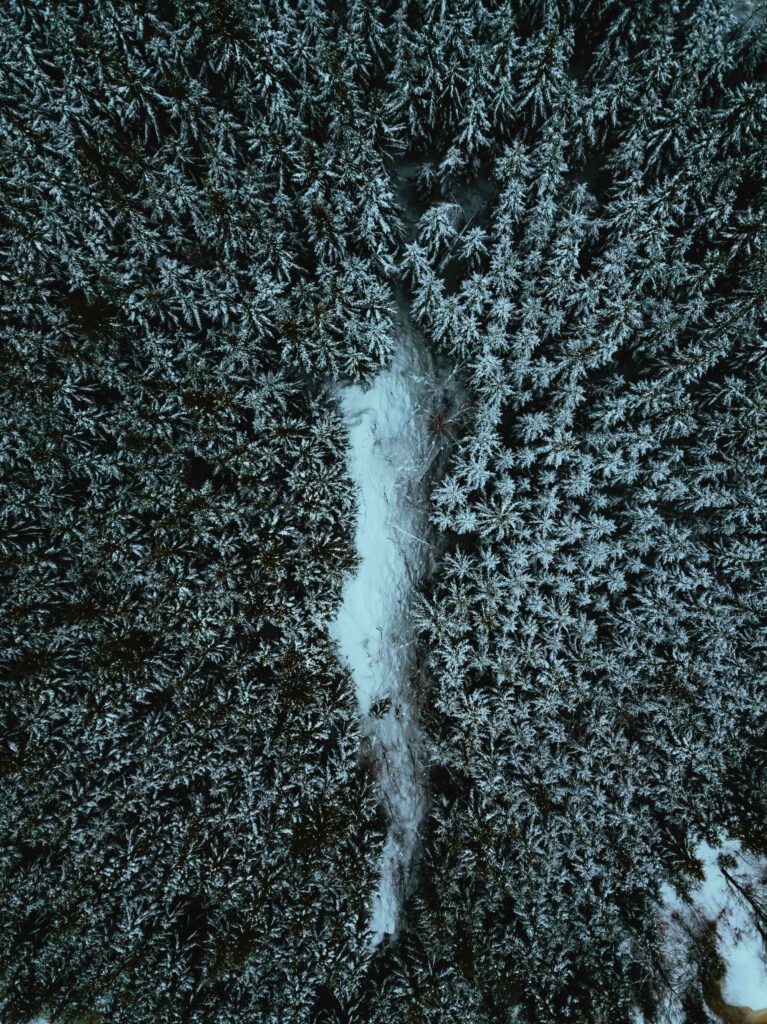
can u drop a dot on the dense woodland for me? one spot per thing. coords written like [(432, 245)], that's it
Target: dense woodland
[(203, 232)]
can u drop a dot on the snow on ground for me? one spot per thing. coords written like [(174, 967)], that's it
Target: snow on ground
[(732, 896), (739, 943), (390, 452)]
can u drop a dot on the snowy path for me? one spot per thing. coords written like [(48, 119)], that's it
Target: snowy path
[(390, 450)]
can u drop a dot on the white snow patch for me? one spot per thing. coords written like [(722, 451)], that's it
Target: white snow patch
[(739, 941), (734, 906), (390, 451)]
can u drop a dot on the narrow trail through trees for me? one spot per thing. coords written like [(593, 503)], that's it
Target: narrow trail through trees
[(391, 451)]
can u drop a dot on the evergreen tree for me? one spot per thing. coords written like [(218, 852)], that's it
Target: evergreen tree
[(205, 228)]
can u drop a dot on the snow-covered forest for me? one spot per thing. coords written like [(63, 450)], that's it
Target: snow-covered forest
[(384, 512)]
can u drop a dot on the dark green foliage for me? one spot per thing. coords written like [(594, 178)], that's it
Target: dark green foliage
[(595, 632), (186, 832), (198, 236)]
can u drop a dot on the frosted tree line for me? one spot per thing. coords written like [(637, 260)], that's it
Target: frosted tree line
[(205, 238)]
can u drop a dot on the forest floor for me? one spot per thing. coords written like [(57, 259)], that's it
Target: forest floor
[(731, 900)]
